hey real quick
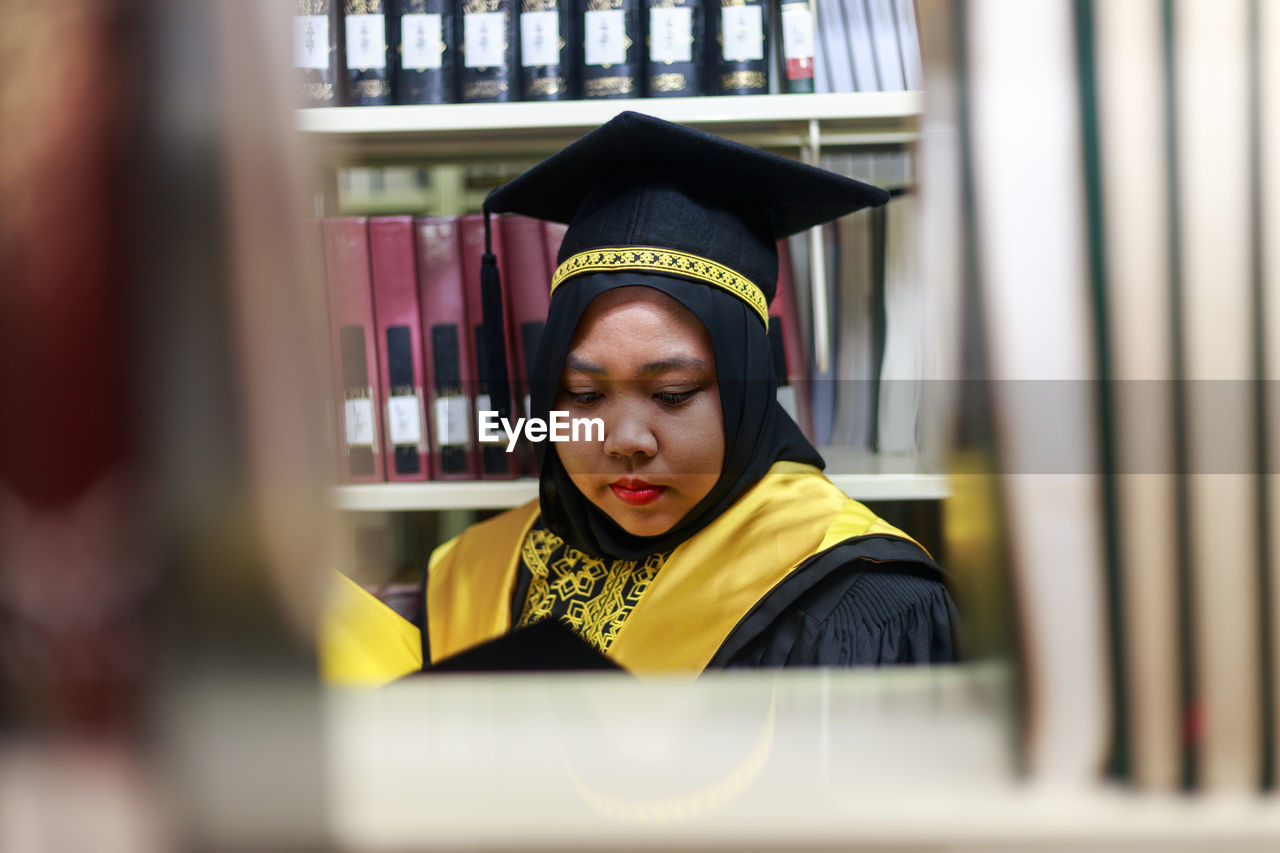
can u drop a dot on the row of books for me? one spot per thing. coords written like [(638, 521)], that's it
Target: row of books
[(408, 340), (1129, 329), (378, 52)]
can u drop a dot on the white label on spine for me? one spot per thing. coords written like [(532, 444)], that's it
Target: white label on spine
[(311, 41), (671, 34), (484, 405), (486, 39), (358, 422), (797, 32), (743, 30), (366, 41), (787, 399), (606, 37), (451, 421), (404, 420), (421, 41), (539, 38)]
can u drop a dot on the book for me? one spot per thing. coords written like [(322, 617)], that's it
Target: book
[(425, 52), (346, 255), (901, 363), (447, 349), (1039, 348), (1214, 331), (791, 365), (1268, 313), (552, 237), (823, 387), (398, 320), (487, 46), (677, 44), (612, 56), (855, 315), (740, 47), (796, 22), (317, 32), (528, 295), (836, 52), (861, 47), (494, 371), (909, 43), (367, 77), (885, 43), (1134, 169), (546, 50)]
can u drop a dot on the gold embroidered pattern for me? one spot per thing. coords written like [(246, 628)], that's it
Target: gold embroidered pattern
[(590, 595), (664, 261)]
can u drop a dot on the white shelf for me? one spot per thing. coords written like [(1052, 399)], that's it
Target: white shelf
[(536, 128), (502, 494)]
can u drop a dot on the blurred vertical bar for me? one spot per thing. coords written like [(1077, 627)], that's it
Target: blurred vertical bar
[(159, 493), (231, 361)]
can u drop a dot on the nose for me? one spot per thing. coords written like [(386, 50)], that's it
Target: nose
[(628, 435)]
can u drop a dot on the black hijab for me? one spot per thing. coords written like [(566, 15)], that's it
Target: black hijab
[(697, 217), (757, 430)]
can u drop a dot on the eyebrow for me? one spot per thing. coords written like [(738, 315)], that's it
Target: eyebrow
[(573, 362)]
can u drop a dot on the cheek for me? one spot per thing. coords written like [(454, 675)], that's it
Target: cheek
[(697, 440)]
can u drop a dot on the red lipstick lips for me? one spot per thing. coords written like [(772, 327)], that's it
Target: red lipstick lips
[(636, 492)]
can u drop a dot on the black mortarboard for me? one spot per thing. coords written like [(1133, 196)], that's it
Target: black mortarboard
[(714, 209)]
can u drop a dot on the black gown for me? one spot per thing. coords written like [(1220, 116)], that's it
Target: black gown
[(849, 612)]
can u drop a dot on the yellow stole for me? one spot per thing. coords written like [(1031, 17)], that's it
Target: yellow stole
[(704, 589)]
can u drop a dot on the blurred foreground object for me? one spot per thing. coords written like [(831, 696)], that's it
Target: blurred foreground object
[(1119, 217), (158, 486)]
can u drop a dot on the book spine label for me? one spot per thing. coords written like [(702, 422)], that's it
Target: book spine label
[(611, 49), (677, 34), (424, 53), (487, 44), (797, 46), (367, 81), (316, 33), (448, 359), (546, 50), (742, 46)]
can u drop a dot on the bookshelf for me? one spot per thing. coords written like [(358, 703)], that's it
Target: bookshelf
[(503, 494), (474, 131), (469, 133)]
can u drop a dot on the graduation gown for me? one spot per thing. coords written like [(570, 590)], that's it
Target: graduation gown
[(793, 574)]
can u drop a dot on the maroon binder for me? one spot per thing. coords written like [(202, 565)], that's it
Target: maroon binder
[(784, 322), (399, 324), (447, 349), (346, 256), (495, 462)]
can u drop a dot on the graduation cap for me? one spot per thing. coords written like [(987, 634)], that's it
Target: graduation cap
[(643, 195)]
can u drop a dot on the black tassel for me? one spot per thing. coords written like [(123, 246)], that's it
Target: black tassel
[(495, 339)]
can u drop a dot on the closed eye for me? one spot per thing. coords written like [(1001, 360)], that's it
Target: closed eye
[(673, 398), (584, 398)]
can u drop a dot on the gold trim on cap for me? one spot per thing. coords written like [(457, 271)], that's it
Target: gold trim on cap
[(647, 259)]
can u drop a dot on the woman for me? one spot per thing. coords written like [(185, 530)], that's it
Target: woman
[(700, 532)]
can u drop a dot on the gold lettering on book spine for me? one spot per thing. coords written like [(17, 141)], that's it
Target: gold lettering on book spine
[(744, 80), (363, 7), (482, 89), (311, 7), (473, 7), (609, 86), (544, 86), (603, 5), (372, 88), (668, 82), (539, 5)]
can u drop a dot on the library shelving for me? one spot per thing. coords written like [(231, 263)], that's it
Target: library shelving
[(802, 124)]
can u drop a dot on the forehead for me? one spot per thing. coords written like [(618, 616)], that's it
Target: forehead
[(639, 315)]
